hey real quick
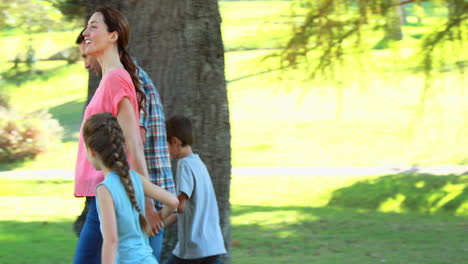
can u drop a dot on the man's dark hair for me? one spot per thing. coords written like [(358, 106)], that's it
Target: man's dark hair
[(180, 127), (80, 37)]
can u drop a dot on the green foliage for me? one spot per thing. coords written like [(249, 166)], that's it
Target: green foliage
[(71, 9), (30, 15), (331, 31)]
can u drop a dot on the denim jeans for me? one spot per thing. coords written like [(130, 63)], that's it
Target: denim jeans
[(88, 250), (207, 260), (156, 244)]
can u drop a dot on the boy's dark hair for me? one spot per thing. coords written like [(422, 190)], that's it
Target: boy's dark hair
[(80, 37), (180, 127)]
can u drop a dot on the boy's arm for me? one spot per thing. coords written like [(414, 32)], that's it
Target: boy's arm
[(182, 198), (170, 220), (109, 225)]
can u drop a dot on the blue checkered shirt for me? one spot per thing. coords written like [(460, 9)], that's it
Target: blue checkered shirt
[(156, 151)]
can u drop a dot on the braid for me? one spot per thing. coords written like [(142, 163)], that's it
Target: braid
[(118, 162), (102, 133)]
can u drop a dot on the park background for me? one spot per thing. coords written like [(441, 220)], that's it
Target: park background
[(366, 167)]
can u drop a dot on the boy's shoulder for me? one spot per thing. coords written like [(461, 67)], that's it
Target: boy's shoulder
[(191, 160)]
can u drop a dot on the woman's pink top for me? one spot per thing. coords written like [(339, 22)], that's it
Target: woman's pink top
[(115, 86)]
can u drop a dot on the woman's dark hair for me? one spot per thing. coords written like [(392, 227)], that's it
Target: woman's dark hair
[(180, 127), (117, 22), (102, 134)]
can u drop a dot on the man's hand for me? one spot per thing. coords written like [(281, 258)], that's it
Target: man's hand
[(154, 218)]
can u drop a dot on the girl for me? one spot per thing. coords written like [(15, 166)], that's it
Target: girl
[(106, 38), (120, 196)]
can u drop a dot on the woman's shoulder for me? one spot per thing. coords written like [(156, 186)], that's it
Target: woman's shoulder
[(117, 74)]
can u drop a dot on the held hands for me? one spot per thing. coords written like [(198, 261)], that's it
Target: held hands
[(155, 220)]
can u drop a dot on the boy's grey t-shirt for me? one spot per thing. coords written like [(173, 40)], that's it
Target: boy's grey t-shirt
[(199, 230)]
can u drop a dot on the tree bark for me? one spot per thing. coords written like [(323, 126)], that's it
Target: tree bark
[(179, 44), (393, 18)]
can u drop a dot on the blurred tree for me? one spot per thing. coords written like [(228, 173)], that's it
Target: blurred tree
[(393, 20), (71, 9), (179, 44), (333, 28), (29, 15)]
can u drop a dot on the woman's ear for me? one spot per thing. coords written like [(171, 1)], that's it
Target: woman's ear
[(114, 36)]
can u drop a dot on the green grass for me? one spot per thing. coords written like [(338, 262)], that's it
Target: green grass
[(275, 219), (57, 84)]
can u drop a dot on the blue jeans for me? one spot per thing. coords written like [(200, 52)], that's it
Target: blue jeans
[(156, 244), (88, 250)]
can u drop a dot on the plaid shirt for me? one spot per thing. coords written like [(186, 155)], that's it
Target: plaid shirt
[(156, 151)]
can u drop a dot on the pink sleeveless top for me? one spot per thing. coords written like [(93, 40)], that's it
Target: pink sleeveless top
[(115, 86)]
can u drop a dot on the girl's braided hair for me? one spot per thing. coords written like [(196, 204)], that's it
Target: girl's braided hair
[(102, 134)]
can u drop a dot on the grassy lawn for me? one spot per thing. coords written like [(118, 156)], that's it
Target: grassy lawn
[(295, 220)]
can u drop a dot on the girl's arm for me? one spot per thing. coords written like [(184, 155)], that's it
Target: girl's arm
[(169, 200), (109, 225), (131, 131)]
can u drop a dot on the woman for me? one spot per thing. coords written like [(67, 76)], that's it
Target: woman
[(106, 38)]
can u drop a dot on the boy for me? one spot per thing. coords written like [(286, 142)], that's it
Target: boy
[(199, 233)]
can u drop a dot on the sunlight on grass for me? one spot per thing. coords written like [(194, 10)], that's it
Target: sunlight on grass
[(46, 44), (52, 88), (277, 217), (392, 204), (43, 208), (62, 156)]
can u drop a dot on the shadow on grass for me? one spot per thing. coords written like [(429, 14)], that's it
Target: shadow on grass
[(23, 74), (69, 116), (422, 193), (36, 242), (270, 234), (11, 165)]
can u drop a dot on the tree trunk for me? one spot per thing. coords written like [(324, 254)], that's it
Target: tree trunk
[(393, 18), (179, 44)]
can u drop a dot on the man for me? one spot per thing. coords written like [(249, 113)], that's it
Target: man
[(153, 135)]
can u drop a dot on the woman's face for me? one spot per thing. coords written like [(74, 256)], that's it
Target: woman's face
[(97, 39)]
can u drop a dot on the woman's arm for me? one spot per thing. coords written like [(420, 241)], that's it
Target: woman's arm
[(131, 132), (127, 121), (109, 225), (169, 200)]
